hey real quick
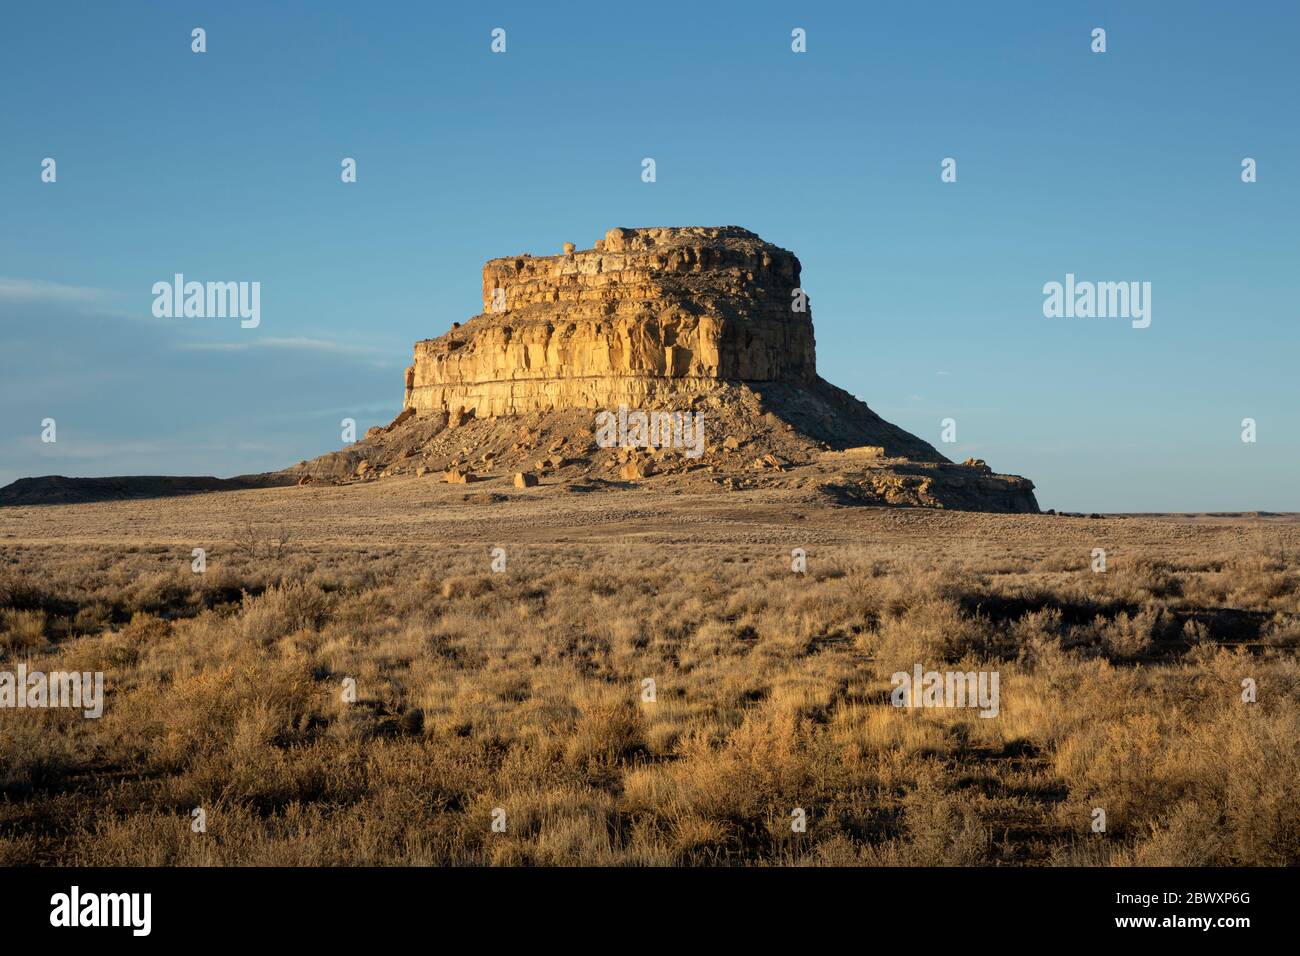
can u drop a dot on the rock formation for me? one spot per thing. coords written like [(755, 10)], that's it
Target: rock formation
[(706, 328), (646, 314), (708, 321)]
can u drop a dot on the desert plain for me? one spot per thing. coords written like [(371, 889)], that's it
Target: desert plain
[(609, 673)]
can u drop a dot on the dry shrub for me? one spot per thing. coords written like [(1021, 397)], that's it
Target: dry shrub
[(32, 751), (943, 829), (183, 722), (929, 632), (610, 729), (1112, 764), (466, 586), (283, 610), (1128, 636), (22, 630), (741, 792), (1037, 637), (1150, 578), (116, 652), (1222, 790)]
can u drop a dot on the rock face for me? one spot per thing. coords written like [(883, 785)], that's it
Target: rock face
[(646, 314)]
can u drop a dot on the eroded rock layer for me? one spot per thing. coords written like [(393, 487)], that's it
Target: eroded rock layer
[(644, 315)]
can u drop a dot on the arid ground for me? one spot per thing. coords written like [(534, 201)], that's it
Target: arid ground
[(517, 697)]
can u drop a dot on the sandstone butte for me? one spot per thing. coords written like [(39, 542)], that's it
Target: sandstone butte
[(699, 320)]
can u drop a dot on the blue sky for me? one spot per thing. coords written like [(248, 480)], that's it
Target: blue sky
[(926, 296)]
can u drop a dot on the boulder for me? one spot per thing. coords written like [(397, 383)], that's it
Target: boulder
[(635, 470)]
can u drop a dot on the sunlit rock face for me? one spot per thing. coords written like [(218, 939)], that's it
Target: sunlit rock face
[(642, 316)]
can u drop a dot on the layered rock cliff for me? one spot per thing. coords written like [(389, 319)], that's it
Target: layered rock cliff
[(705, 321), (644, 314)]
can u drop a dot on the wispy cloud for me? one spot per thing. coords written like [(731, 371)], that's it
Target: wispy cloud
[(38, 290), (296, 343), (74, 449)]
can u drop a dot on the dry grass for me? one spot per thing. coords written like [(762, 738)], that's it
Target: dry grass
[(523, 692)]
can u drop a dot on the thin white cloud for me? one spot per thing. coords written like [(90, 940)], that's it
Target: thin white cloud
[(296, 343), (320, 345), (78, 449), (38, 290)]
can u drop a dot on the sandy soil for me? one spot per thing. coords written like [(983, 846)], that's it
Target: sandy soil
[(428, 511)]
